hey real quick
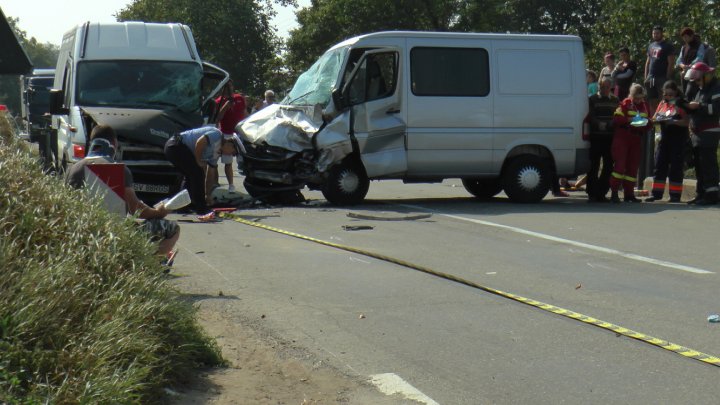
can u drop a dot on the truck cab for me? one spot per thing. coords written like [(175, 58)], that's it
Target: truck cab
[(145, 80), (35, 105)]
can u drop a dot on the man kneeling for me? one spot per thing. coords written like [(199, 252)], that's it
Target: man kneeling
[(102, 150)]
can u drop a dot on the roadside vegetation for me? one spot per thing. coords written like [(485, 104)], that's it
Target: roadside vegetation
[(85, 313)]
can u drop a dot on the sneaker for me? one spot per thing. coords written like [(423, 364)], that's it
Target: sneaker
[(231, 188), (209, 217), (652, 199)]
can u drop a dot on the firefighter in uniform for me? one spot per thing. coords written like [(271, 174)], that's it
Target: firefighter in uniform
[(704, 112), (631, 122)]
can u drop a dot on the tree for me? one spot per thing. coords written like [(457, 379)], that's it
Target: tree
[(233, 34), (41, 56), (327, 22), (630, 24)]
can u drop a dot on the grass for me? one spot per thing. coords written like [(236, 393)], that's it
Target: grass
[(85, 313)]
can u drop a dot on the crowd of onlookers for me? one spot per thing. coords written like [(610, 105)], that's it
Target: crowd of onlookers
[(677, 106)]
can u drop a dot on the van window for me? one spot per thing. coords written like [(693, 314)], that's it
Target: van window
[(375, 78), (449, 72)]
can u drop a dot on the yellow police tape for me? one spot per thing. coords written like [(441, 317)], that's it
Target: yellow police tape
[(681, 350)]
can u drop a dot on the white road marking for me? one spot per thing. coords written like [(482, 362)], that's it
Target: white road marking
[(631, 256), (391, 384), (355, 259)]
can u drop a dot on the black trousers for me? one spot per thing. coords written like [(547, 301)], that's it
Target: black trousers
[(598, 182), (705, 145), (669, 163), (184, 160)]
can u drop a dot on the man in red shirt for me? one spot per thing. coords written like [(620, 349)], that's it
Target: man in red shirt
[(232, 110)]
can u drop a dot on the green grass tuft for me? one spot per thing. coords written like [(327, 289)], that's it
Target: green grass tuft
[(85, 314)]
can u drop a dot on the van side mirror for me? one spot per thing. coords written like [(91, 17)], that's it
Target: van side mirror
[(57, 97), (338, 99)]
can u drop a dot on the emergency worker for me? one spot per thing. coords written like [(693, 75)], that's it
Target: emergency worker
[(630, 122), (704, 112), (669, 160), (600, 116)]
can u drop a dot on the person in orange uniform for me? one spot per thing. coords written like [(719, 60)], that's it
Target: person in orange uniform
[(631, 122)]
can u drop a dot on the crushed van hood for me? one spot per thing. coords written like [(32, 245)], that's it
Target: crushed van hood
[(146, 126), (293, 127)]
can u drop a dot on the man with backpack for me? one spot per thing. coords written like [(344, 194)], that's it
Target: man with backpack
[(693, 51)]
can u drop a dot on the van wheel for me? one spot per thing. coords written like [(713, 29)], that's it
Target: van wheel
[(346, 184), (482, 188), (527, 179)]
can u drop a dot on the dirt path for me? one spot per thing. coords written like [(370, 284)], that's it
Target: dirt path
[(267, 370)]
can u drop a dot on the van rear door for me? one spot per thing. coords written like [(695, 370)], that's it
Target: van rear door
[(450, 111)]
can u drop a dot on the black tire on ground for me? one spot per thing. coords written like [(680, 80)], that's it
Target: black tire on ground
[(346, 184), (527, 178), (483, 189)]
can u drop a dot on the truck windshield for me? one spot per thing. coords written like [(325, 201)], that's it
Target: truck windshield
[(139, 84), (314, 86), (39, 97)]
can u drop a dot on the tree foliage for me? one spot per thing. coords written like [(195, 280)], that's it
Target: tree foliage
[(630, 24), (603, 25), (41, 56), (326, 22), (233, 34)]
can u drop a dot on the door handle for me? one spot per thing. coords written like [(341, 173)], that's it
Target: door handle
[(393, 111)]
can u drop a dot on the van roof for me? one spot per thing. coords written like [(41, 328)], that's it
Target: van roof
[(136, 40), (458, 35)]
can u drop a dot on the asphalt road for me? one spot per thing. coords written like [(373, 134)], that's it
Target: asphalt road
[(652, 268)]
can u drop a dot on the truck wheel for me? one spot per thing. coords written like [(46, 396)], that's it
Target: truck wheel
[(346, 184), (527, 179), (482, 188)]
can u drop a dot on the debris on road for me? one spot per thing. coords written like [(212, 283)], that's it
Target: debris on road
[(413, 217), (579, 286), (714, 318), (357, 227), (362, 316)]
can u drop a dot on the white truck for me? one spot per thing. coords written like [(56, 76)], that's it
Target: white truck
[(146, 80), (499, 111)]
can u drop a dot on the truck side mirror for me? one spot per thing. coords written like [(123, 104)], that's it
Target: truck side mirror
[(57, 97)]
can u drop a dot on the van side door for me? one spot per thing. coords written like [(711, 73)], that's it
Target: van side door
[(374, 93), (450, 108)]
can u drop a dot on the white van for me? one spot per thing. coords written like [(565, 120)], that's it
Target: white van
[(145, 80), (501, 112)]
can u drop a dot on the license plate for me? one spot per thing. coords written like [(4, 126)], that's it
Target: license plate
[(151, 188)]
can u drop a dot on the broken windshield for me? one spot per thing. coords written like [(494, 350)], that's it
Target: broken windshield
[(314, 86), (140, 84)]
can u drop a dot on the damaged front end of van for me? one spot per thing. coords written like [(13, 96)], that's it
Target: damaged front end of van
[(322, 136)]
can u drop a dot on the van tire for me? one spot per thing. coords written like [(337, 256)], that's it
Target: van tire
[(483, 189), (527, 179), (346, 183)]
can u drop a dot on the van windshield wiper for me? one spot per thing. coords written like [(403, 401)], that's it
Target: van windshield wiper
[(302, 96)]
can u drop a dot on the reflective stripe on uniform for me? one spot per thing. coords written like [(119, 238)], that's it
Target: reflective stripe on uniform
[(676, 187), (628, 178), (659, 186), (618, 175)]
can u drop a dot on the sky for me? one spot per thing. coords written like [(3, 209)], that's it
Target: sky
[(48, 20)]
